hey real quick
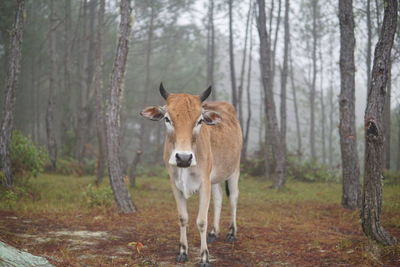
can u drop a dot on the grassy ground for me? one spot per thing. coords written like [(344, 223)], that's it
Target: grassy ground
[(302, 225)]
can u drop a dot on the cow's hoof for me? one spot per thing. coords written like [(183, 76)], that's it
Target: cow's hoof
[(230, 238), (205, 264), (211, 237), (182, 257)]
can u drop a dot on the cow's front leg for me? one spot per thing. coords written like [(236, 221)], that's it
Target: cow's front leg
[(202, 219), (183, 222)]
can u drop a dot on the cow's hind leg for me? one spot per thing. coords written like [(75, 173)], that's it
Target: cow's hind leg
[(233, 185), (183, 222), (217, 200)]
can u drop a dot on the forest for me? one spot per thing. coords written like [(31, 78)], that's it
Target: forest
[(312, 142)]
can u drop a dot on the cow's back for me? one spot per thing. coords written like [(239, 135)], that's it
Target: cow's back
[(226, 141)]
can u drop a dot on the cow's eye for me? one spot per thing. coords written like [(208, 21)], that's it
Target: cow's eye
[(200, 122), (167, 120)]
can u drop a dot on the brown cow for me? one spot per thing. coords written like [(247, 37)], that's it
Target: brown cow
[(202, 149)]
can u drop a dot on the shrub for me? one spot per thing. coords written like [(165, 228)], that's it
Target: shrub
[(98, 196), (27, 159), (253, 167), (310, 171), (69, 167), (391, 177), (88, 166)]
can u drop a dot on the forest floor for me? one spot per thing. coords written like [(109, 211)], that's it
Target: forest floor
[(302, 225)]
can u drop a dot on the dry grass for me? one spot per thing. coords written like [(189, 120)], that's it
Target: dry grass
[(302, 225)]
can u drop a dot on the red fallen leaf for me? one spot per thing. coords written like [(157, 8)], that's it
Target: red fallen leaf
[(138, 245)]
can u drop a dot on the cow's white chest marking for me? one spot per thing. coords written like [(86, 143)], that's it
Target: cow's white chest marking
[(187, 181)]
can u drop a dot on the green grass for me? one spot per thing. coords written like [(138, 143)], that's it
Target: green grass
[(50, 192)]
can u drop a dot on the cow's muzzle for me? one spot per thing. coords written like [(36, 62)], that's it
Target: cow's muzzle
[(183, 160)]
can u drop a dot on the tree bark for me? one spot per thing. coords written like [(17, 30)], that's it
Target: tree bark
[(51, 139), (284, 75), (398, 139), (369, 44), (270, 110), (296, 110), (121, 193), (13, 70), (211, 49), (323, 124), (83, 113), (314, 78), (241, 81), (387, 121), (347, 128), (143, 129), (132, 171), (98, 91), (331, 104), (66, 117), (248, 95), (374, 131), (232, 59)]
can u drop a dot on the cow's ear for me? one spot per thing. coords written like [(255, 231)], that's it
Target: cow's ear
[(153, 113), (211, 117)]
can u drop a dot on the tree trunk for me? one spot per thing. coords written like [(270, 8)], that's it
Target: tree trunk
[(211, 48), (296, 110), (387, 122), (143, 129), (81, 128), (398, 139), (248, 95), (374, 131), (98, 91), (347, 128), (66, 117), (132, 171), (314, 78), (322, 106), (331, 104), (13, 69), (240, 89), (369, 44), (51, 139), (232, 59), (121, 193), (278, 23), (284, 75), (270, 110)]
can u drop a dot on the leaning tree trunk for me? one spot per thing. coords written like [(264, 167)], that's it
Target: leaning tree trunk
[(374, 131), (98, 92), (387, 120), (51, 139), (270, 110), (121, 193), (232, 59), (11, 86), (347, 127)]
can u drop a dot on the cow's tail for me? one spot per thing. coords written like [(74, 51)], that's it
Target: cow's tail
[(227, 188)]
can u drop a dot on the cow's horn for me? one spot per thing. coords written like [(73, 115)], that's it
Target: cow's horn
[(205, 94), (163, 92)]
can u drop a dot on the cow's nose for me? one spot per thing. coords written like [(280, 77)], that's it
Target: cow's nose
[(183, 159)]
